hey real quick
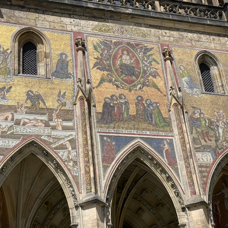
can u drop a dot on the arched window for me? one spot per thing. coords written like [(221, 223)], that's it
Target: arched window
[(29, 59), (211, 75), (31, 53)]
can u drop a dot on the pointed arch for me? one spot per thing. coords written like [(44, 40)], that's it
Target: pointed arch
[(156, 165), (33, 145), (214, 172)]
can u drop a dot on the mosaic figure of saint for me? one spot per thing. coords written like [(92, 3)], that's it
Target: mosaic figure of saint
[(61, 70), (117, 113), (3, 92), (125, 106), (149, 111), (167, 152), (189, 85), (158, 117), (4, 69), (204, 127), (35, 99), (125, 64), (107, 111), (140, 107), (109, 151)]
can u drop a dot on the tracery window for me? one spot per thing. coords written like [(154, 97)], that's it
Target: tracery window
[(210, 71), (31, 53)]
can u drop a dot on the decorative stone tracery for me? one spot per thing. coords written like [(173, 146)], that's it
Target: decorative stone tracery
[(180, 7)]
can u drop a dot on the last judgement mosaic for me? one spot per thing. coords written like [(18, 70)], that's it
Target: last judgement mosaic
[(130, 78)]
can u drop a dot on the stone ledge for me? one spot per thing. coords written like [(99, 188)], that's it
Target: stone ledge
[(92, 200), (195, 201)]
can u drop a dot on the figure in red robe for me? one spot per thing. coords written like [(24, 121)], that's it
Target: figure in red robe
[(168, 154), (140, 107), (117, 113), (109, 151)]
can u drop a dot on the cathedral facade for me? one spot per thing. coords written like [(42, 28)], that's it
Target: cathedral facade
[(113, 113)]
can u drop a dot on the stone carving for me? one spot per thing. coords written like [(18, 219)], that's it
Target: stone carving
[(191, 11), (169, 7)]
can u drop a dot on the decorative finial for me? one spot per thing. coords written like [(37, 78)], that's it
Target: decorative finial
[(80, 44), (167, 54)]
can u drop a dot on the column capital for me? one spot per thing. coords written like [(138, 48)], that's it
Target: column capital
[(167, 54), (80, 43)]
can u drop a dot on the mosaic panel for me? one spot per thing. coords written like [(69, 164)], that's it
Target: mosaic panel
[(111, 146), (36, 106), (208, 116), (129, 85)]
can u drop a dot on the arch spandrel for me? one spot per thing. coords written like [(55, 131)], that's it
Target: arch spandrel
[(152, 160), (51, 159), (145, 146)]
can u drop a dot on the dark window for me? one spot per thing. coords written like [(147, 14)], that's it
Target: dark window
[(29, 60), (206, 77), (221, 2)]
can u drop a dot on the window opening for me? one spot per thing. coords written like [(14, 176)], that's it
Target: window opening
[(29, 60), (206, 77), (221, 2)]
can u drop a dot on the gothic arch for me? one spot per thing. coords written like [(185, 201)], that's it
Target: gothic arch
[(214, 172), (139, 151), (33, 145)]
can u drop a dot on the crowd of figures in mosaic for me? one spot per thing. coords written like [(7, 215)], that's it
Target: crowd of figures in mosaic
[(209, 132), (116, 108)]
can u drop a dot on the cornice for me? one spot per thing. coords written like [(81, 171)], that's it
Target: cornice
[(177, 18)]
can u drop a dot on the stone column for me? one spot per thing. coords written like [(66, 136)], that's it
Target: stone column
[(198, 210), (81, 77), (177, 111), (157, 6), (90, 203)]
